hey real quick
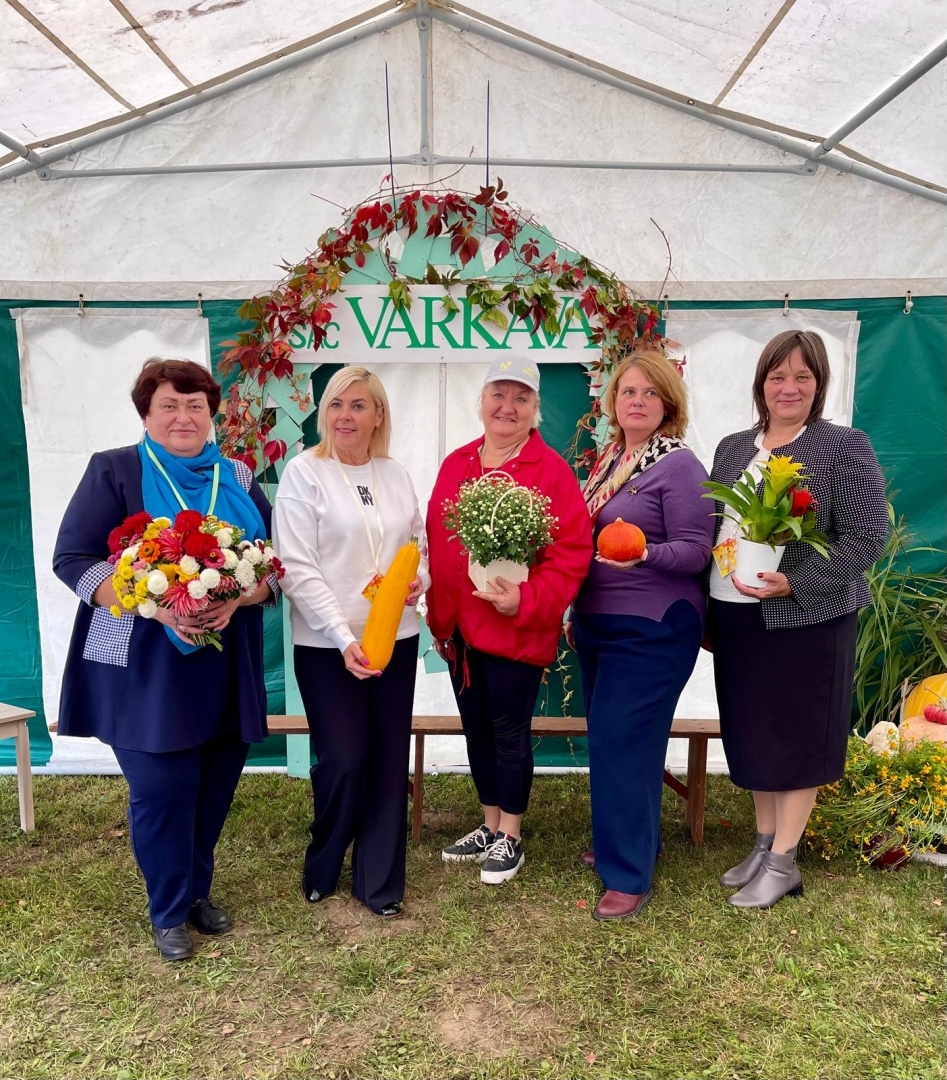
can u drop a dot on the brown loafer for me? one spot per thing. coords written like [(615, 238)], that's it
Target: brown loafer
[(621, 905), (587, 858)]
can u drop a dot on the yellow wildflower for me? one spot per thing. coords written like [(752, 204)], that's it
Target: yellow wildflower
[(129, 603), (125, 571), (116, 611), (162, 522)]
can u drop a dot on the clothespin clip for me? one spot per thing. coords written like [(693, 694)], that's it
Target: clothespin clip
[(908, 302), (664, 312), (785, 303), (200, 305), (81, 304)]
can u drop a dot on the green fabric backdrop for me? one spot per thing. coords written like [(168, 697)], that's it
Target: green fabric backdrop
[(900, 401)]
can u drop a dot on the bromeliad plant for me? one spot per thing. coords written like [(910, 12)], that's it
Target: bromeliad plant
[(782, 511), (495, 518)]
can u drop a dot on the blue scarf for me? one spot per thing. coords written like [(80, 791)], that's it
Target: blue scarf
[(193, 477)]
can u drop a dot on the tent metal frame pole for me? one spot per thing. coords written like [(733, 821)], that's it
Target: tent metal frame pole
[(421, 160), (922, 67), (40, 163), (17, 147), (423, 19), (865, 172)]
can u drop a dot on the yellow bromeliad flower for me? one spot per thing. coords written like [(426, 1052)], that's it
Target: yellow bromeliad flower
[(779, 475)]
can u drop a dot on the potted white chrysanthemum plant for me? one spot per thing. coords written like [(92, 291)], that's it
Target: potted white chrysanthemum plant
[(502, 525)]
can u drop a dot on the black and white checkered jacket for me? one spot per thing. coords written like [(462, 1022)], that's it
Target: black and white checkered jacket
[(849, 488)]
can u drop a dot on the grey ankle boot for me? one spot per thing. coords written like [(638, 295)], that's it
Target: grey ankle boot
[(744, 872), (777, 877)]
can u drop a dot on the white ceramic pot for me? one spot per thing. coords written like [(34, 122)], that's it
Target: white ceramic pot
[(753, 559), (512, 571)]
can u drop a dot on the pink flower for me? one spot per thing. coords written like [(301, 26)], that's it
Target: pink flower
[(215, 559), (180, 602), (172, 545)]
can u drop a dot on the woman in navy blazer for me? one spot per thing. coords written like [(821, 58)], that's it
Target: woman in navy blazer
[(179, 720), (784, 645)]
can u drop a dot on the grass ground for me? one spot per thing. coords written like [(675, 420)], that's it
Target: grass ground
[(507, 982)]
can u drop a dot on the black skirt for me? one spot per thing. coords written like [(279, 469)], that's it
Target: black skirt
[(785, 697)]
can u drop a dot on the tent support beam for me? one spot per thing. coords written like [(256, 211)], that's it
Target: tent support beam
[(41, 162), (18, 148), (922, 67), (423, 20), (422, 160)]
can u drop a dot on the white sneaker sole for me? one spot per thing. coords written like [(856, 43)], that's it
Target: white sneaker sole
[(477, 857), (497, 877)]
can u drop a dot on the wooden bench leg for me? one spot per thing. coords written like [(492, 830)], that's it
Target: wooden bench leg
[(696, 787), (24, 778), (417, 792)]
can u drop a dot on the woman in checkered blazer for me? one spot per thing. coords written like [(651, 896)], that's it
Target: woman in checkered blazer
[(784, 649)]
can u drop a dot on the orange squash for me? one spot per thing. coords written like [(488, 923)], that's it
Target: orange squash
[(378, 641), (931, 691), (621, 541)]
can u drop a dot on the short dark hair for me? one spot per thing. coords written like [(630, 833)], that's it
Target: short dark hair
[(184, 375), (775, 352)]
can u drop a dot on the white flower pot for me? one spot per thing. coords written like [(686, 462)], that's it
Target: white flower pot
[(753, 559), (511, 571)]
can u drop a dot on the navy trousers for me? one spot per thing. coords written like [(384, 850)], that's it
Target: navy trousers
[(634, 670), (361, 733), (177, 806)]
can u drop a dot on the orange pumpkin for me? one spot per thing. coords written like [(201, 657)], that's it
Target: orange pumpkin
[(621, 541)]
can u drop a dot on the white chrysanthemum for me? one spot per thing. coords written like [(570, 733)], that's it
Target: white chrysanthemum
[(131, 553), (224, 537), (245, 575), (196, 589), (269, 553), (253, 556), (210, 578), (189, 565), (147, 609), (139, 574), (157, 583), (231, 558)]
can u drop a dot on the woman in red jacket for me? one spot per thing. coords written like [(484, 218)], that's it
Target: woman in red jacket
[(498, 642)]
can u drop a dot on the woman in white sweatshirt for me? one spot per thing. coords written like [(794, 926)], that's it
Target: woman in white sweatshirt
[(343, 509)]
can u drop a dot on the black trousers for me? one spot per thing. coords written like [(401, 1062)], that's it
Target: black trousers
[(361, 734), (177, 805), (496, 697)]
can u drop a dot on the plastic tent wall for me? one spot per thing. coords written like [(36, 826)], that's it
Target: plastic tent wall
[(796, 149)]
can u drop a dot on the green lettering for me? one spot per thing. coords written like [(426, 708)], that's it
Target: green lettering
[(520, 326), (354, 303), (325, 341), (404, 315), (578, 315), (430, 322), (471, 323), (297, 339)]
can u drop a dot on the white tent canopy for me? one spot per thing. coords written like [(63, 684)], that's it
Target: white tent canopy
[(796, 148)]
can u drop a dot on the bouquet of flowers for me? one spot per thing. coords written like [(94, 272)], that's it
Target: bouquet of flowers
[(184, 565), (785, 511), (497, 519), (892, 798)]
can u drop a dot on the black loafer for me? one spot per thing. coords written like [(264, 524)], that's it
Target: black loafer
[(208, 918), (389, 911), (312, 895), (174, 943)]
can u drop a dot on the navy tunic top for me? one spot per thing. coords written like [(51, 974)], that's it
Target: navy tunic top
[(124, 681)]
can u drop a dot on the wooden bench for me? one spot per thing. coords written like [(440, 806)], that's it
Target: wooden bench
[(13, 726), (697, 732)]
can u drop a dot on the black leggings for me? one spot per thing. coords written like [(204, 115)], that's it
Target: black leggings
[(361, 733), (496, 698)]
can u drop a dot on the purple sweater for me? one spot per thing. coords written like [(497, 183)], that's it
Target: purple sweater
[(665, 503)]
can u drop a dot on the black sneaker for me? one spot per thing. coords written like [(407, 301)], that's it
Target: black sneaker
[(503, 860), (470, 848)]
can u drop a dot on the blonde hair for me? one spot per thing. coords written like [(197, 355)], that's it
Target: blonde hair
[(341, 381), (665, 378)]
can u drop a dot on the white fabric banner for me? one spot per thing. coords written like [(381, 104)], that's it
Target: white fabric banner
[(76, 374)]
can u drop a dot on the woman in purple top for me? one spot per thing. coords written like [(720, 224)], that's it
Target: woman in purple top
[(637, 626)]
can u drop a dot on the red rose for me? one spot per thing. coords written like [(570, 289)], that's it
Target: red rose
[(188, 521), (122, 536), (802, 502), (199, 544)]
